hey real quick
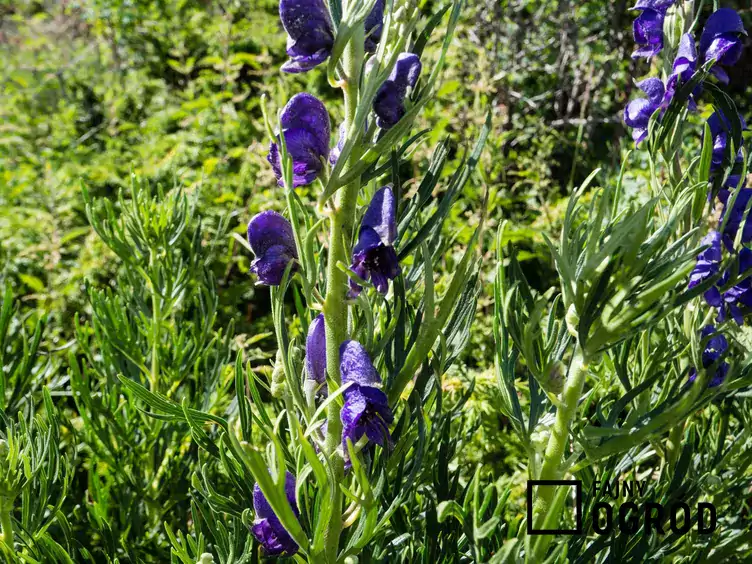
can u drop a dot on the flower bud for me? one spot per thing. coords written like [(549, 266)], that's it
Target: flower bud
[(673, 27), (555, 378), (278, 377), (573, 320), (205, 558)]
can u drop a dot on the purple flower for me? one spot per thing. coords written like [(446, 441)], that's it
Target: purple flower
[(310, 35), (389, 103), (637, 113), (720, 41), (267, 527), (716, 346), (272, 241), (315, 359), (648, 29), (708, 264), (374, 24), (719, 129), (374, 256), (741, 293), (305, 125), (684, 67), (366, 408)]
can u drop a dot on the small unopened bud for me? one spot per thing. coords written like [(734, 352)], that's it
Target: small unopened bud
[(278, 377), (673, 27), (555, 380), (573, 320), (205, 558)]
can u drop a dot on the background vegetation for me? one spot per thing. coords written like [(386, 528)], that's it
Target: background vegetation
[(94, 93)]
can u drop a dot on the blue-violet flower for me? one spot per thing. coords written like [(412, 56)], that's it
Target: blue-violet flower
[(648, 27), (366, 408), (389, 103), (272, 241), (720, 41), (310, 35), (637, 113), (685, 64), (305, 125), (716, 346), (374, 256), (267, 527)]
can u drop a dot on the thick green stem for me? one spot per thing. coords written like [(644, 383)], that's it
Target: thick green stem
[(6, 521), (335, 303), (557, 443)]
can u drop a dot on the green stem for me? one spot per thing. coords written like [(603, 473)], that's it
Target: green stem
[(335, 303), (6, 521), (557, 443), (156, 321)]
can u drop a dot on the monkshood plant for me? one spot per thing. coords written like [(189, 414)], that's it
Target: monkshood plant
[(637, 364), (325, 456)]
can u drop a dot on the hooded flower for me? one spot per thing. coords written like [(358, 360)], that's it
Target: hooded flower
[(708, 264), (366, 408), (719, 129), (267, 527), (374, 25), (374, 256), (648, 27), (305, 125), (716, 346), (389, 103), (720, 41), (684, 67), (637, 113), (315, 359), (310, 36), (272, 241)]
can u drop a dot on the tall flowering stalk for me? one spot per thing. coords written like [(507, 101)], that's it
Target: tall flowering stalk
[(643, 335), (344, 392)]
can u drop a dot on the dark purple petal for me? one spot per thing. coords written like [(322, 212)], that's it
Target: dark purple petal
[(389, 103), (715, 346), (366, 412), (356, 366), (381, 215), (309, 30), (684, 67), (374, 25), (648, 33), (373, 255), (708, 261), (726, 49), (655, 90), (638, 112), (305, 111), (315, 360), (272, 241), (653, 5), (267, 527), (305, 125), (723, 21), (372, 259)]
